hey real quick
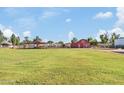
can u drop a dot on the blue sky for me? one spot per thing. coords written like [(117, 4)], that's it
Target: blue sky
[(61, 23)]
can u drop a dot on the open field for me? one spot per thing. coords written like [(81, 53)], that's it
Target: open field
[(60, 66)]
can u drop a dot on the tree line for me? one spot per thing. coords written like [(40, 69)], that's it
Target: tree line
[(105, 38), (109, 38), (15, 40)]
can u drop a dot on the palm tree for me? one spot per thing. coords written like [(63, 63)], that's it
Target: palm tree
[(104, 38)]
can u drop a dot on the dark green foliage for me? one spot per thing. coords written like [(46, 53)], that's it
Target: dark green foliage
[(74, 40), (17, 40), (37, 38), (113, 37), (104, 38), (92, 41), (61, 42), (13, 39), (50, 42), (1, 36)]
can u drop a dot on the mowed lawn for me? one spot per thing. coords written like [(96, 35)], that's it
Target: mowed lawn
[(60, 66)]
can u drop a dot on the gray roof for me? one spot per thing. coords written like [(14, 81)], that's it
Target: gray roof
[(6, 42)]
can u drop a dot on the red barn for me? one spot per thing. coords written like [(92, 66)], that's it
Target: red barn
[(80, 44)]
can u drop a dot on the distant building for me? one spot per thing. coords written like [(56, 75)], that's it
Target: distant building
[(57, 45), (83, 43), (6, 44), (34, 45), (67, 45), (119, 43)]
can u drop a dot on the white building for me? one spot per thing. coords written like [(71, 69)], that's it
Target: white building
[(119, 42)]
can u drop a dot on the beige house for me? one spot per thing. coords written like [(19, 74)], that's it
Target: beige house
[(6, 44), (67, 45)]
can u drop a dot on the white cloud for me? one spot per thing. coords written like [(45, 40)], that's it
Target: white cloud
[(53, 12), (71, 35), (27, 34), (102, 15), (48, 14), (120, 16), (68, 20), (118, 25), (117, 31), (7, 31)]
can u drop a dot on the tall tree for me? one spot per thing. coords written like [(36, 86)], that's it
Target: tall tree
[(113, 37), (1, 36), (104, 38), (13, 39), (17, 40)]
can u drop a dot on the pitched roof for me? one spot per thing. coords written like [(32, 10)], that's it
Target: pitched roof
[(6, 42)]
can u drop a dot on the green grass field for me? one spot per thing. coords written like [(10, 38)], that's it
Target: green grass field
[(60, 66)]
